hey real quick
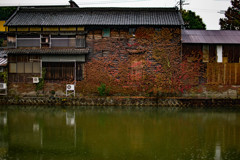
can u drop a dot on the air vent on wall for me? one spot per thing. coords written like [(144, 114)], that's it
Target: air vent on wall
[(35, 79), (3, 86), (70, 87)]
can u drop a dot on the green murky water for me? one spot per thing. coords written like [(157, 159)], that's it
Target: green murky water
[(38, 133)]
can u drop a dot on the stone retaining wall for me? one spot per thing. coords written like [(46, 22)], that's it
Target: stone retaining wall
[(116, 101)]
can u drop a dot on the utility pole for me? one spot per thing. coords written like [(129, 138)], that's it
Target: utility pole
[(181, 5)]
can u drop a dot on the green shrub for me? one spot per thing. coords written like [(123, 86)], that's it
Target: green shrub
[(52, 92), (103, 90)]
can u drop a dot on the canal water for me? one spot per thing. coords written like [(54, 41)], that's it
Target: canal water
[(43, 133)]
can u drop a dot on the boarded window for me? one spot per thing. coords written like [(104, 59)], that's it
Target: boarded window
[(36, 67), (80, 41), (205, 53), (12, 67), (219, 54), (20, 67), (28, 42), (28, 67), (106, 32)]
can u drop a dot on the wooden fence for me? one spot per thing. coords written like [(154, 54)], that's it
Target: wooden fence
[(223, 73)]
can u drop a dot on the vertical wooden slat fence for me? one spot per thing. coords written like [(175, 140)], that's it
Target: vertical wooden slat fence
[(223, 73)]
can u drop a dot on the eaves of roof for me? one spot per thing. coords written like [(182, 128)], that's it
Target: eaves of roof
[(47, 51)]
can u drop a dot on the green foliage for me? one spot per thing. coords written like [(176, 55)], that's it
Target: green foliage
[(192, 20), (6, 12), (103, 90), (40, 85), (52, 92), (1, 42), (232, 17), (4, 75)]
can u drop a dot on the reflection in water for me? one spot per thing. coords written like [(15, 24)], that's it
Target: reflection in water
[(3, 134), (217, 152), (70, 118), (119, 133), (3, 118), (70, 121), (35, 127)]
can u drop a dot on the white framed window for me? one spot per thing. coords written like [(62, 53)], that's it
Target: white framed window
[(219, 54)]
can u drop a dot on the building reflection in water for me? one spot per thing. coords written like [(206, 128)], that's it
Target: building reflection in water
[(118, 134), (71, 121), (3, 135), (218, 152)]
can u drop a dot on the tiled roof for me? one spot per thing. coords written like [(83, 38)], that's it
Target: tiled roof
[(211, 36), (95, 16), (47, 51), (3, 62)]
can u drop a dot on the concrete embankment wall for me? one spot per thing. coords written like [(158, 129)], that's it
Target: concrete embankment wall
[(116, 101)]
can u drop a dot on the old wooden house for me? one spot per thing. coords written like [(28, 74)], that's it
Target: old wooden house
[(62, 40), (221, 53)]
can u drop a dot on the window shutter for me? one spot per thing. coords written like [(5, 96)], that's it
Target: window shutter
[(80, 41)]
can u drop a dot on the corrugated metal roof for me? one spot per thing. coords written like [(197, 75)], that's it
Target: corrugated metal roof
[(95, 16), (211, 36), (3, 62), (47, 51)]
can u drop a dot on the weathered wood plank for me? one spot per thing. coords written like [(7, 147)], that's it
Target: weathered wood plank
[(223, 73)]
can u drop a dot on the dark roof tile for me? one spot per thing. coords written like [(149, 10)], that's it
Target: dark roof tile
[(211, 36), (95, 16)]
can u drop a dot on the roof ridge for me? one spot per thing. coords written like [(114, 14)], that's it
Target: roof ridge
[(51, 9)]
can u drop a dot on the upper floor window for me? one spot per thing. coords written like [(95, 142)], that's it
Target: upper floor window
[(106, 32), (80, 41), (45, 41), (132, 31)]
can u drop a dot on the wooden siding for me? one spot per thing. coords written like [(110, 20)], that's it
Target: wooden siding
[(223, 73), (231, 52)]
